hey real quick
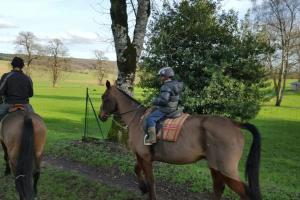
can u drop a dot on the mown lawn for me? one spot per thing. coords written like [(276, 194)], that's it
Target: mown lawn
[(63, 111)]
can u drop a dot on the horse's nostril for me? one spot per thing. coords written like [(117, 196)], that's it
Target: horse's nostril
[(103, 116)]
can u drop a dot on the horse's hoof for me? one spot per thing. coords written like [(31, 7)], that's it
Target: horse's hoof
[(144, 187)]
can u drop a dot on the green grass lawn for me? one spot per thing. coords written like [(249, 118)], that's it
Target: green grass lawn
[(63, 110), (61, 185)]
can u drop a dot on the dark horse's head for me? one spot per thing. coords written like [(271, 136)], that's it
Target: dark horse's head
[(109, 103)]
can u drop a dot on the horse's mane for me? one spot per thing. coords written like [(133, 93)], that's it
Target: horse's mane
[(130, 97)]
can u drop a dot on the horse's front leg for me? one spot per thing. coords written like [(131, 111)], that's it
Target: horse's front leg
[(148, 170), (138, 171)]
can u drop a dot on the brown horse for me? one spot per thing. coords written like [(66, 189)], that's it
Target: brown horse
[(23, 136), (216, 139)]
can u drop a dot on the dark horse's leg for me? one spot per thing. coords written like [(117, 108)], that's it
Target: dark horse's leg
[(218, 182), (19, 180), (238, 187), (36, 175), (7, 168), (148, 170), (138, 171)]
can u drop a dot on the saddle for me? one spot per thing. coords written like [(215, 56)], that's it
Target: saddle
[(168, 129), (16, 107), (171, 128)]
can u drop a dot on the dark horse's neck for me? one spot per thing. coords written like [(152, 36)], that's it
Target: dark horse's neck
[(129, 108)]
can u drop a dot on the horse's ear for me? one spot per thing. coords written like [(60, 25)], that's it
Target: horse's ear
[(108, 84)]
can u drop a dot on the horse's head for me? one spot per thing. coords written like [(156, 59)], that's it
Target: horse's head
[(109, 103)]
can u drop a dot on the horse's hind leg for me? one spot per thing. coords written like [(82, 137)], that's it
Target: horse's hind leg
[(138, 171), (7, 168), (237, 186), (218, 183), (36, 176)]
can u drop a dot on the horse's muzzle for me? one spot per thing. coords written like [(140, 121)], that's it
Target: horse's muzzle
[(103, 116)]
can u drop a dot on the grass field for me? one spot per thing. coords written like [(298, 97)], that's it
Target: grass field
[(63, 111), (61, 185)]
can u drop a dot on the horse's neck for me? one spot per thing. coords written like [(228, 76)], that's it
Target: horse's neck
[(132, 119), (125, 104)]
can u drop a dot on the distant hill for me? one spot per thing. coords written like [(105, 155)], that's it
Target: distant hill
[(78, 64), (4, 56)]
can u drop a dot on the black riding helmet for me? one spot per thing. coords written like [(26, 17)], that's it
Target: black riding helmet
[(17, 62)]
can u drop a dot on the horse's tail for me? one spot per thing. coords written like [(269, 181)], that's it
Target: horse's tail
[(25, 162), (253, 160)]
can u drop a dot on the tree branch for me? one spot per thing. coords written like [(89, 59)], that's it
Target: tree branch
[(143, 14), (131, 2)]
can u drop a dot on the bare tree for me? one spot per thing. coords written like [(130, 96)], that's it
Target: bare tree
[(26, 43), (57, 60), (128, 50), (99, 66), (280, 19)]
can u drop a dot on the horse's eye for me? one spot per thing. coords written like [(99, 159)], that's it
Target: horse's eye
[(107, 104)]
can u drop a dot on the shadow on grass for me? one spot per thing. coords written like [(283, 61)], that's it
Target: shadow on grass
[(65, 128), (80, 111), (58, 97), (63, 125)]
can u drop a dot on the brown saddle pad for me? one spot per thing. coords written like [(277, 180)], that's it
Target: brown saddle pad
[(16, 107), (171, 128)]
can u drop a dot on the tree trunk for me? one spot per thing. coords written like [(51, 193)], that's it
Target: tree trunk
[(117, 133), (127, 51), (279, 94), (283, 76), (273, 74)]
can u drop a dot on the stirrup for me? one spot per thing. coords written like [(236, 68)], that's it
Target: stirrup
[(147, 143)]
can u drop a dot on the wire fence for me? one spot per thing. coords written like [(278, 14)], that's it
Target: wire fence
[(93, 127)]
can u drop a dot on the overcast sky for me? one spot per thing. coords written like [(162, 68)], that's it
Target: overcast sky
[(83, 25)]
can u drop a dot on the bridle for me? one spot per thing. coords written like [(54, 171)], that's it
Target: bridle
[(124, 113)]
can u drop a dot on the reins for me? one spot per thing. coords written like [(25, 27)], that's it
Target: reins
[(120, 114), (130, 110)]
